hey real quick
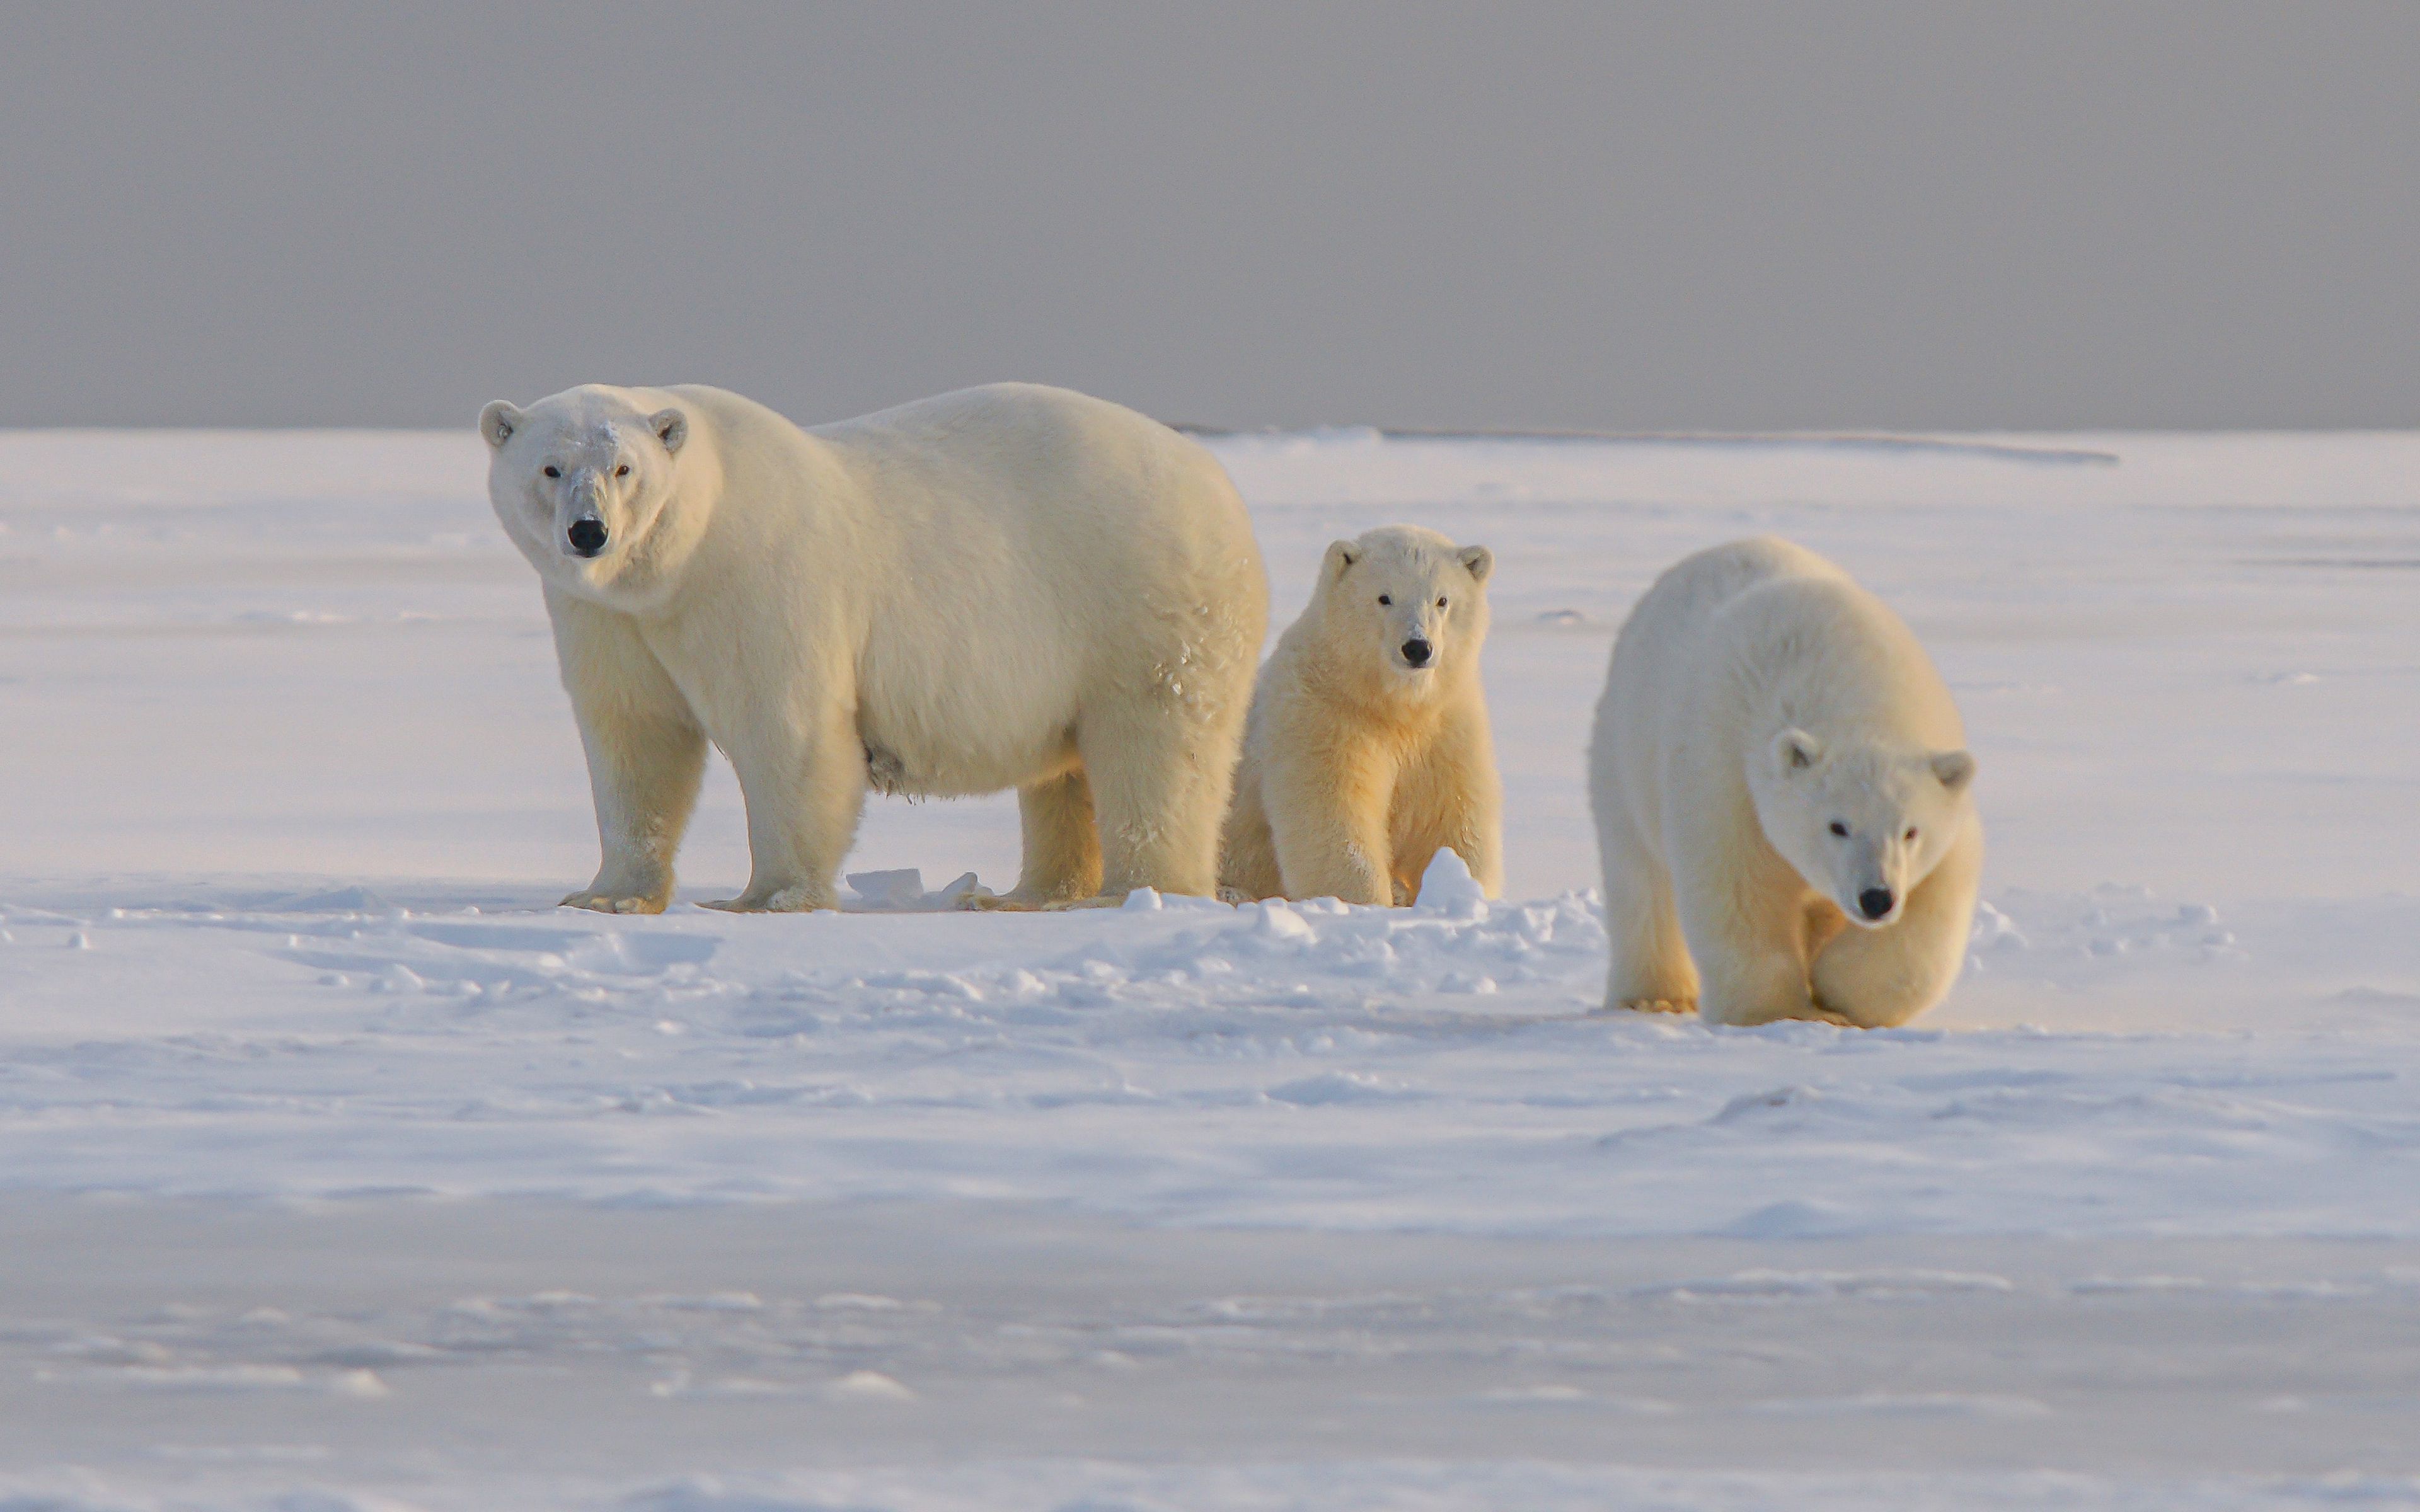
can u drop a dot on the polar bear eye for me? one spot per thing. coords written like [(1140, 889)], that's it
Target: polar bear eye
[(1911, 832), (1840, 830), (1440, 603), (553, 471), (1385, 599), (622, 472)]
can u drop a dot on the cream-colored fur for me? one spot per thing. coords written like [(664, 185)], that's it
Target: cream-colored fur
[(1357, 765), (1012, 586), (1759, 704)]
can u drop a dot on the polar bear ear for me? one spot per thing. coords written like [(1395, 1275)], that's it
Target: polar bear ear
[(499, 420), (1479, 560), (1956, 768), (671, 427), (1340, 555), (1795, 750)]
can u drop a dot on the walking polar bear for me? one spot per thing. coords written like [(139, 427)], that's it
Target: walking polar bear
[(1012, 586), (1783, 799), (1368, 748)]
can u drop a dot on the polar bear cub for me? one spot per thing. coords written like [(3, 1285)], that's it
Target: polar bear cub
[(1368, 749), (1012, 586), (1783, 799)]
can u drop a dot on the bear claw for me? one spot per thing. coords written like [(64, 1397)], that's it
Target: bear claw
[(785, 901), (1028, 902), (611, 903), (1660, 1005), (1005, 902)]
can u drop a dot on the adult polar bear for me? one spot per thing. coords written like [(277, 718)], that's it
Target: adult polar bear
[(1775, 761), (1010, 586)]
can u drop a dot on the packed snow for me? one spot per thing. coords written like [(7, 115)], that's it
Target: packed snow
[(339, 1169)]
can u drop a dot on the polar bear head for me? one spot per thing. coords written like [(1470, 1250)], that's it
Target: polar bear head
[(584, 483), (1408, 604), (1861, 822)]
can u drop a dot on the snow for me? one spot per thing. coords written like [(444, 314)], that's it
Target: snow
[(467, 1201)]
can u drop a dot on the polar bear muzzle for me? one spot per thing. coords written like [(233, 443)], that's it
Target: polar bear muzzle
[(587, 536)]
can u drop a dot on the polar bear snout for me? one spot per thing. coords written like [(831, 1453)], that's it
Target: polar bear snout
[(586, 536), (1877, 904), (1416, 653)]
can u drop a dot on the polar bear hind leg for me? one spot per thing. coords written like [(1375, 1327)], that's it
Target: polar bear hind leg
[(1062, 846), (1159, 777)]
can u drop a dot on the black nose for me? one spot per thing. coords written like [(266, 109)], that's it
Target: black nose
[(1416, 653), (1876, 902), (588, 536)]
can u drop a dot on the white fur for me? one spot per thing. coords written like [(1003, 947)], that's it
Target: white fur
[(1011, 586), (1358, 765), (1757, 697)]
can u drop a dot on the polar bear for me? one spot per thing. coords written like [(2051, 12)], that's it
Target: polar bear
[(1782, 797), (1368, 748), (1011, 586)]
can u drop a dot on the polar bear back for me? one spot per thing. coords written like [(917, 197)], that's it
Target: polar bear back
[(971, 573), (1737, 642), (1066, 546)]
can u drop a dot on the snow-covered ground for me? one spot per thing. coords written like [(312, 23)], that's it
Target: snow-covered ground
[(338, 1171)]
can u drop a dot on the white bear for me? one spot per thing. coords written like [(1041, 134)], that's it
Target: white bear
[(1782, 797), (1368, 748), (1012, 586)]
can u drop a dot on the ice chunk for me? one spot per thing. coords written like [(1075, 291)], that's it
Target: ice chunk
[(888, 889), (965, 886)]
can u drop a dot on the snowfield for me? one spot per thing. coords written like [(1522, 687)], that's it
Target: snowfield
[(339, 1170)]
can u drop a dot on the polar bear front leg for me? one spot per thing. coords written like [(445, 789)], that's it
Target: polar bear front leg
[(645, 756), (1649, 970), (1160, 779), (1880, 978), (804, 789), (1327, 809), (644, 774), (1450, 797), (1746, 928)]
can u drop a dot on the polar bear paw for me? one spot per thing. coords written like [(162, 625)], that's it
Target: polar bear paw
[(614, 903), (1660, 1005), (792, 899), (1021, 902), (1001, 903)]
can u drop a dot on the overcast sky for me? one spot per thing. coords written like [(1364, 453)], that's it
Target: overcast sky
[(1739, 216)]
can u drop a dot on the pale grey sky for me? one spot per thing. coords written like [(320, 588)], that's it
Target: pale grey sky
[(2029, 214)]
